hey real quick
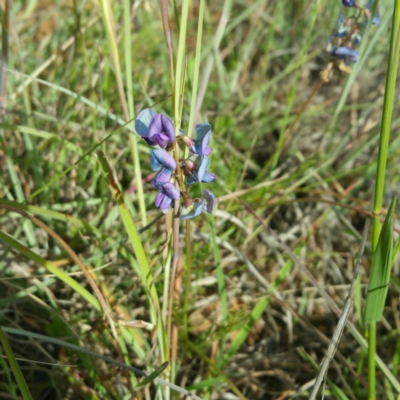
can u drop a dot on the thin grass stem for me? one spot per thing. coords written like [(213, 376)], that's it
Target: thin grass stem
[(388, 105)]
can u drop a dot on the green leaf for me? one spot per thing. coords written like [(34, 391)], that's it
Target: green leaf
[(380, 270), (19, 377), (154, 374)]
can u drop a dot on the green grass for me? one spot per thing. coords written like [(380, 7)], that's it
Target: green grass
[(88, 266)]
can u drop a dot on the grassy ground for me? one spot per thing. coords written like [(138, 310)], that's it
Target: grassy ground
[(250, 322)]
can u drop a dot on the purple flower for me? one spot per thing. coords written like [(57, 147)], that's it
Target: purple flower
[(164, 163), (197, 170), (161, 130), (168, 193), (345, 53), (200, 146), (155, 129), (349, 3), (206, 203), (161, 158)]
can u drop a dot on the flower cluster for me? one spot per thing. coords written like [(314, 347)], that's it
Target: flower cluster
[(158, 130), (341, 44)]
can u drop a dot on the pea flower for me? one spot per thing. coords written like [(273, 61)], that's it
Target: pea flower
[(155, 129), (196, 170), (164, 163), (200, 145), (206, 203), (345, 53), (158, 130), (168, 193)]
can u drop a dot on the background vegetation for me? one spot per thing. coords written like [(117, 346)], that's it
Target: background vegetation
[(251, 323)]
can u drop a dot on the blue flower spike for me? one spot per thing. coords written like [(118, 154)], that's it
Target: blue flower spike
[(168, 193), (159, 130), (200, 146)]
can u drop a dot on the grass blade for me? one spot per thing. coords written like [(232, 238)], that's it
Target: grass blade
[(19, 377), (5, 238), (380, 270)]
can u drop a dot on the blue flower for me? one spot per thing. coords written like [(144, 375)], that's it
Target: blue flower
[(155, 129), (343, 26), (197, 170), (376, 20), (349, 3), (168, 193), (210, 200), (164, 163), (200, 146), (345, 53), (206, 203)]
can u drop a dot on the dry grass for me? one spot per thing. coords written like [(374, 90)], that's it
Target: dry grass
[(316, 199)]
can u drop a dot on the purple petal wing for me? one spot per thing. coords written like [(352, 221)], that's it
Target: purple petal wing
[(171, 191), (161, 130), (162, 201), (344, 52), (160, 158), (162, 177)]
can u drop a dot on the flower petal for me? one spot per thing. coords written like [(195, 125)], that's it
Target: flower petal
[(143, 121), (162, 177), (161, 158), (203, 136), (205, 163), (345, 52), (208, 177), (210, 200), (161, 130), (162, 201), (171, 191), (193, 211), (349, 3)]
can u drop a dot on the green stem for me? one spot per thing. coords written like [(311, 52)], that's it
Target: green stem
[(371, 360), (196, 70), (381, 169), (386, 121), (188, 279)]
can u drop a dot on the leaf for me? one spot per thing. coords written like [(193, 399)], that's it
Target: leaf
[(380, 270), (154, 374), (19, 377)]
